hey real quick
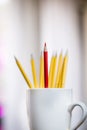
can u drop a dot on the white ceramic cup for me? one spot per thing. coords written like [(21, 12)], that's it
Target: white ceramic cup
[(51, 109)]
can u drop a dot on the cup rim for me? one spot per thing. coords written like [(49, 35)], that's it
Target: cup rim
[(46, 89)]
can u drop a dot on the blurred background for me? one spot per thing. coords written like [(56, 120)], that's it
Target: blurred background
[(24, 27)]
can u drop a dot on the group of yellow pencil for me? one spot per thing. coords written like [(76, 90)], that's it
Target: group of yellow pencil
[(56, 75), (58, 70)]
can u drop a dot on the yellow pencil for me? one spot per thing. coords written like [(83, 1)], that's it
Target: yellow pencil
[(50, 71), (54, 71), (23, 73), (34, 72), (58, 77), (64, 70), (41, 71)]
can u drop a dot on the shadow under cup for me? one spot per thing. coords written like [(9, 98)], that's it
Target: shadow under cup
[(51, 109)]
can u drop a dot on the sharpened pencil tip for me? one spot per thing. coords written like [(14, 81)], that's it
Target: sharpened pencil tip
[(45, 44), (15, 58), (56, 54), (45, 47), (31, 56), (66, 52), (41, 54)]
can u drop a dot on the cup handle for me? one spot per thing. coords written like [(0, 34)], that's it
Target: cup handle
[(84, 114)]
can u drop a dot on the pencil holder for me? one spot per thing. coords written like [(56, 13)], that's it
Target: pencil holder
[(51, 109)]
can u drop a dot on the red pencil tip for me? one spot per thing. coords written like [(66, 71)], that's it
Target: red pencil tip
[(45, 47), (45, 44)]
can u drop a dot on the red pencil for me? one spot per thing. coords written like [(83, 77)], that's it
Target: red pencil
[(45, 66)]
